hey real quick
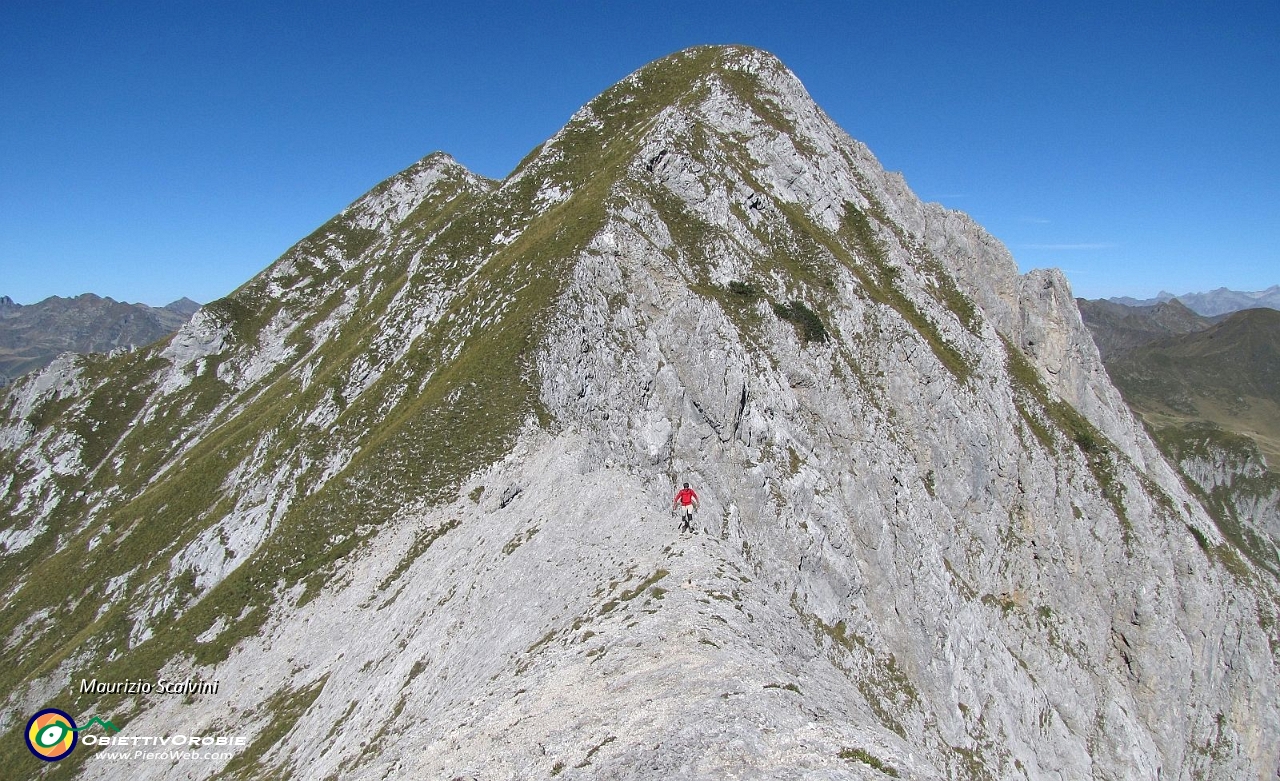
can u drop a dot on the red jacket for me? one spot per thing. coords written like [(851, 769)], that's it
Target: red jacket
[(686, 497)]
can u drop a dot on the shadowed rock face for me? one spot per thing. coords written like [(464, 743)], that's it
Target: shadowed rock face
[(406, 494), (32, 336)]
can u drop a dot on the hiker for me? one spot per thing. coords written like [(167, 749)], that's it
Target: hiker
[(687, 500)]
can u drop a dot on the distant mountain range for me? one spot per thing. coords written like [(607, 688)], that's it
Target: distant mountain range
[(31, 336), (1216, 302), (1209, 389), (1227, 373), (1175, 366), (1118, 327)]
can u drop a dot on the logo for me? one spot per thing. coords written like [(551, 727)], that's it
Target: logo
[(52, 734)]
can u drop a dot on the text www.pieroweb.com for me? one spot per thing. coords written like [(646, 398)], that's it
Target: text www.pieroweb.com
[(166, 756)]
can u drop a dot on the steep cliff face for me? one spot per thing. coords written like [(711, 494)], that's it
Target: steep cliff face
[(405, 495)]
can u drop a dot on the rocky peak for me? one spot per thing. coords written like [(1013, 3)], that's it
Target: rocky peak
[(183, 306)]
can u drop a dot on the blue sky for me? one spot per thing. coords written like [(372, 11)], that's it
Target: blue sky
[(154, 150)]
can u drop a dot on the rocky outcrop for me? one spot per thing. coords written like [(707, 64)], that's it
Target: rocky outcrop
[(415, 484)]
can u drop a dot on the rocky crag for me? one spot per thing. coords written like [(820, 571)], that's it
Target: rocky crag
[(405, 495)]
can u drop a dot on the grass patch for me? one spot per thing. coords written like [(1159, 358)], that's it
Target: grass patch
[(518, 540), (866, 758), (804, 318), (285, 708), (652, 580), (420, 546), (1003, 602), (791, 687)]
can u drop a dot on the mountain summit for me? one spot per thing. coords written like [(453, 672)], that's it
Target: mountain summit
[(405, 495)]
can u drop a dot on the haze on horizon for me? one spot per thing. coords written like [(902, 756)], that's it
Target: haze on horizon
[(155, 151)]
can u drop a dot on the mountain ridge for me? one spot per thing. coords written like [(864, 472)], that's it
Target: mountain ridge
[(1219, 301), (1117, 327), (419, 467), (1223, 371)]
